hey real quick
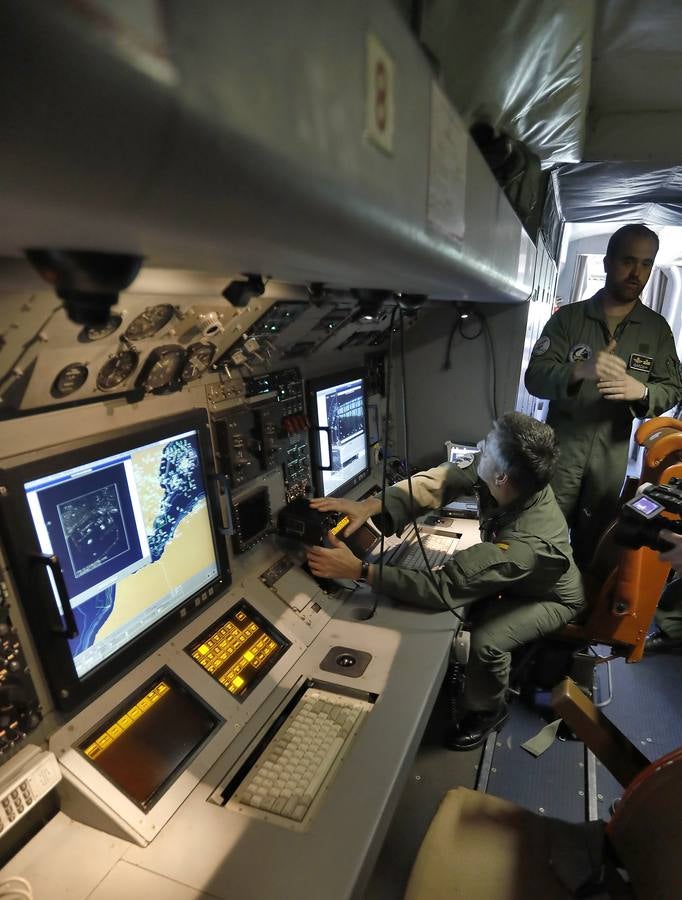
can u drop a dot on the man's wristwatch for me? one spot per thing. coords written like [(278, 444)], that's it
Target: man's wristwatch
[(364, 571)]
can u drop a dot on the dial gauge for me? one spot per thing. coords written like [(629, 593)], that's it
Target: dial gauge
[(162, 369), (116, 369), (97, 332), (199, 358), (69, 380), (150, 321)]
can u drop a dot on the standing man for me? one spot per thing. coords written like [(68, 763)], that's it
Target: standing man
[(601, 363)]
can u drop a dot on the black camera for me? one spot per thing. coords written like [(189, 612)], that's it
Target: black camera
[(640, 521)]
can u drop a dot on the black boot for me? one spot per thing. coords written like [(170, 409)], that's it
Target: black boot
[(474, 728), (659, 642)]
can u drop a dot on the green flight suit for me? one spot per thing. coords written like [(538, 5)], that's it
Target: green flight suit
[(525, 556), (669, 611), (594, 433)]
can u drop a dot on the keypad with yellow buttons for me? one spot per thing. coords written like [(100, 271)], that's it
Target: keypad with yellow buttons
[(238, 649)]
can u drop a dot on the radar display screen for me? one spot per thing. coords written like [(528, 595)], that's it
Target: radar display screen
[(239, 649), (113, 540), (150, 739), (133, 537)]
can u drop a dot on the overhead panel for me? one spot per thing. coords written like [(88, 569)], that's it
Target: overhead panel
[(295, 143)]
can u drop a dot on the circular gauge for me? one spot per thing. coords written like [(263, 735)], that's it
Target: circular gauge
[(150, 321), (199, 358), (69, 380), (116, 369), (97, 332), (162, 368)]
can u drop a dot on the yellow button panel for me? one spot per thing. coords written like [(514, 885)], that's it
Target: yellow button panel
[(126, 720), (239, 649)]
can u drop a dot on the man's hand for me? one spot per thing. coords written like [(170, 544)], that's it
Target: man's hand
[(624, 387), (605, 366), (334, 562), (357, 511), (674, 555)]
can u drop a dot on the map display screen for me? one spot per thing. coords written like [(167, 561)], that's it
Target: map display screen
[(341, 450), (133, 538)]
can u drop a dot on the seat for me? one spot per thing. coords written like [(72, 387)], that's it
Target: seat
[(623, 585), (480, 847)]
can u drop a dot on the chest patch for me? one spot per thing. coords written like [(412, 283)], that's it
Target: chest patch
[(640, 363), (579, 351), (542, 345)]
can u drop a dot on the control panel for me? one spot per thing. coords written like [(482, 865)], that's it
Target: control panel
[(26, 779), (19, 707), (269, 430)]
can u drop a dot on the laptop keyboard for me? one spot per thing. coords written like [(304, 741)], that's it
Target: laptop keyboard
[(438, 550)]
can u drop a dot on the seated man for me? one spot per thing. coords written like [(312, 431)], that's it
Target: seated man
[(522, 577)]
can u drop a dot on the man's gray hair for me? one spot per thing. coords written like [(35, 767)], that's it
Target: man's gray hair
[(527, 451)]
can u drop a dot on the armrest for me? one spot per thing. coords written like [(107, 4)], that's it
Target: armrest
[(623, 760)]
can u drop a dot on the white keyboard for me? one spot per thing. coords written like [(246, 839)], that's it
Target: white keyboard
[(437, 547), (300, 759)]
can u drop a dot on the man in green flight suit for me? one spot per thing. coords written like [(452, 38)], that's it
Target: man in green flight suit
[(522, 577), (601, 363)]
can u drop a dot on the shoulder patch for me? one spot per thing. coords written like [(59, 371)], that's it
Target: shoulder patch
[(579, 351), (541, 346), (502, 546)]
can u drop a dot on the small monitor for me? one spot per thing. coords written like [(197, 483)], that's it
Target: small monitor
[(337, 407), (251, 519), (150, 739), (645, 506), (114, 544)]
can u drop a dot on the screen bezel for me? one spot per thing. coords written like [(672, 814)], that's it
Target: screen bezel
[(35, 592), (314, 385), (172, 774), (652, 513)]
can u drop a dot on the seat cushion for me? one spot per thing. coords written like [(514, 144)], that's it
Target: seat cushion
[(479, 847)]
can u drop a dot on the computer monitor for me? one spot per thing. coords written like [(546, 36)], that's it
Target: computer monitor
[(114, 545), (337, 407)]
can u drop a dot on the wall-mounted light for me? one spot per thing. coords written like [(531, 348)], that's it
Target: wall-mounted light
[(370, 303), (87, 282), (239, 292)]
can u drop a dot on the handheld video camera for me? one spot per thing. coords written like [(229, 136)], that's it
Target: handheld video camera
[(640, 521)]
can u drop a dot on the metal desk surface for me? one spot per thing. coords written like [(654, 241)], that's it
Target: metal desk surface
[(210, 851)]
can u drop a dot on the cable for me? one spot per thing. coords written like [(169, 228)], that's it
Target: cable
[(451, 337), (384, 472), (24, 889), (432, 577), (464, 314), (493, 367), (362, 613)]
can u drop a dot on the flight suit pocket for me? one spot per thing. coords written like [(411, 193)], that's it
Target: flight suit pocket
[(481, 557)]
